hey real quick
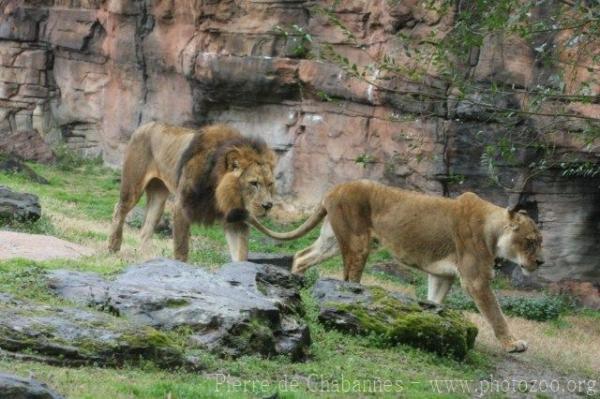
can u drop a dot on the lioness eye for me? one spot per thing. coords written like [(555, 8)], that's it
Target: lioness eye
[(254, 183)]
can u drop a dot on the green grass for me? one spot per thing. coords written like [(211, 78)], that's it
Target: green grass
[(77, 206)]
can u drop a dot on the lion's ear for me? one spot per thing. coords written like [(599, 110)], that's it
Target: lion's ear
[(233, 159)]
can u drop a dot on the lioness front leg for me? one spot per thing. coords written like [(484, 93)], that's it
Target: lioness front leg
[(236, 235), (485, 299)]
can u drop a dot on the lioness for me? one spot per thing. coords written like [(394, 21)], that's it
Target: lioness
[(215, 174), (442, 236)]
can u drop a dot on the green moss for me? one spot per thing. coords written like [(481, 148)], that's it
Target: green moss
[(149, 337), (444, 332), (253, 336), (176, 302)]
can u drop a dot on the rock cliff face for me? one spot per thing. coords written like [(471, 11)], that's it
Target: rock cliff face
[(89, 72)]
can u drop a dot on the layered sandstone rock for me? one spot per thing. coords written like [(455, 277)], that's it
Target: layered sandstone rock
[(89, 72)]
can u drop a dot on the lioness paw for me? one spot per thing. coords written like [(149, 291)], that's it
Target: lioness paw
[(516, 346)]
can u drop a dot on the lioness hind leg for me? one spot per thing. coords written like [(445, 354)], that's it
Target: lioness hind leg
[(355, 252), (157, 194), (354, 239), (438, 287), (325, 247)]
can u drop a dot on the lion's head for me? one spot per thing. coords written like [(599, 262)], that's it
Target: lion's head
[(248, 185), (521, 242)]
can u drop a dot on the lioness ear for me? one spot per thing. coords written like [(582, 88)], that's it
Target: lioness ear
[(511, 211)]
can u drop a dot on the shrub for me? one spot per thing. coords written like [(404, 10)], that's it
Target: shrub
[(67, 159), (543, 308)]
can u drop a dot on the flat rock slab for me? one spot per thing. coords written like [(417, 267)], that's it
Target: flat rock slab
[(15, 387), (395, 318), (282, 260), (244, 308), (38, 247), (72, 337), (22, 207)]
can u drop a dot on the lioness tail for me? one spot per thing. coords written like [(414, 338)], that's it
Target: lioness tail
[(307, 226)]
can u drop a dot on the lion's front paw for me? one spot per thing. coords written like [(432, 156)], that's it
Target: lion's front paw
[(515, 346)]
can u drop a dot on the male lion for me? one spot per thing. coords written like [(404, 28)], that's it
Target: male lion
[(215, 174), (441, 236)]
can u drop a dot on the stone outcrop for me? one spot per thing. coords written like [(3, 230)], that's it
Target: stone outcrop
[(90, 72), (71, 336), (393, 317), (20, 207), (15, 387), (27, 145), (242, 309)]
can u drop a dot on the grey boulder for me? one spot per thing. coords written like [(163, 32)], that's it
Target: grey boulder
[(13, 387), (243, 309), (20, 207)]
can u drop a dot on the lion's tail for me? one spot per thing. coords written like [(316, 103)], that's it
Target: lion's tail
[(307, 226)]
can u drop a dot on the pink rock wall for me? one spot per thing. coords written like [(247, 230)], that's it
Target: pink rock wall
[(88, 72)]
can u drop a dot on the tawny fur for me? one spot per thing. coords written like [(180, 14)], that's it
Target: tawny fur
[(215, 173), (445, 237)]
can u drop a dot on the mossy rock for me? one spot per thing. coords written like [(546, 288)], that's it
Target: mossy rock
[(395, 318), (72, 336)]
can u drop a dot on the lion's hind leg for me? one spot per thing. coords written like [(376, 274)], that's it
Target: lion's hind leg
[(132, 187), (323, 248), (157, 194), (122, 208)]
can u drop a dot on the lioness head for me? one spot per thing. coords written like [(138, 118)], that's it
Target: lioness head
[(248, 185), (521, 242)]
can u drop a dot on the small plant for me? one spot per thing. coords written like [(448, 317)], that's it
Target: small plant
[(454, 178), (324, 96), (301, 39), (311, 277), (580, 169), (365, 159)]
